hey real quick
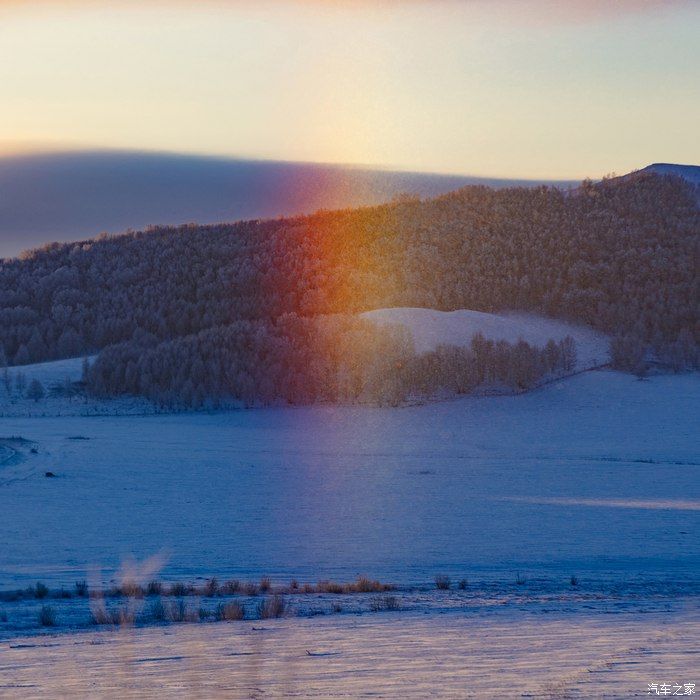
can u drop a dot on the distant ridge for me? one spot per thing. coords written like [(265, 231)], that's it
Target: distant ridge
[(68, 196), (691, 173)]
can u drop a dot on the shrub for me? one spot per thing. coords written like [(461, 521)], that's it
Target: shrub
[(443, 582), (131, 589), (391, 602), (519, 580), (101, 615), (366, 585), (211, 588), (265, 584), (81, 588), (462, 585), (154, 588), (231, 587), (271, 607), (176, 610), (40, 591), (250, 588), (157, 612), (47, 616), (230, 611), (294, 585), (388, 602), (179, 589), (573, 581), (124, 615)]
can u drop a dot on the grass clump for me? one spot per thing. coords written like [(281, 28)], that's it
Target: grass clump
[(250, 588), (179, 611), (230, 611), (265, 584), (462, 585), (271, 607), (211, 588), (443, 582), (573, 581), (179, 589), (231, 587), (81, 589), (519, 579), (156, 611), (387, 602), (47, 616), (367, 585), (154, 588), (100, 615), (40, 591)]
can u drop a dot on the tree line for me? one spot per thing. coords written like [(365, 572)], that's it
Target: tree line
[(302, 360)]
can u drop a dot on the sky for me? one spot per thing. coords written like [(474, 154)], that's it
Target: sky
[(500, 88)]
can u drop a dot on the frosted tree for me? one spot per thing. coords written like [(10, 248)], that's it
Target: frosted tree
[(35, 390)]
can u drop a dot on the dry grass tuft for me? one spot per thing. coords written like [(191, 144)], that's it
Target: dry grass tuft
[(271, 607)]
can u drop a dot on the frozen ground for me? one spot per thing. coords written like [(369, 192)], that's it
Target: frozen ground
[(431, 328), (455, 655), (594, 475)]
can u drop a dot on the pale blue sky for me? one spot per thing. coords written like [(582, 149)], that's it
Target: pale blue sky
[(513, 88)]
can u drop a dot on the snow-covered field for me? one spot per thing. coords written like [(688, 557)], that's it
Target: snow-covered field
[(594, 476), (595, 473), (431, 328), (388, 655)]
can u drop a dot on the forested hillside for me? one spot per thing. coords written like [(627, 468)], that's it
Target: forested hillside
[(620, 256)]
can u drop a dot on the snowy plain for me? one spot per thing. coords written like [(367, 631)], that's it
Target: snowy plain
[(596, 472), (594, 476)]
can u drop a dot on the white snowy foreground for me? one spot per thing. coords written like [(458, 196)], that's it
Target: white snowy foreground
[(388, 655)]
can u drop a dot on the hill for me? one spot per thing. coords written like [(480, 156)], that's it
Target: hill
[(267, 310), (66, 196), (430, 328), (690, 173)]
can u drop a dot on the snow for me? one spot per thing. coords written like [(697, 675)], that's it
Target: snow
[(50, 373), (596, 474), (428, 327), (57, 374), (431, 328), (691, 173), (385, 655)]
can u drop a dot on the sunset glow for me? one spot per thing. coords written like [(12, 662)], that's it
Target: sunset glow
[(499, 88)]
